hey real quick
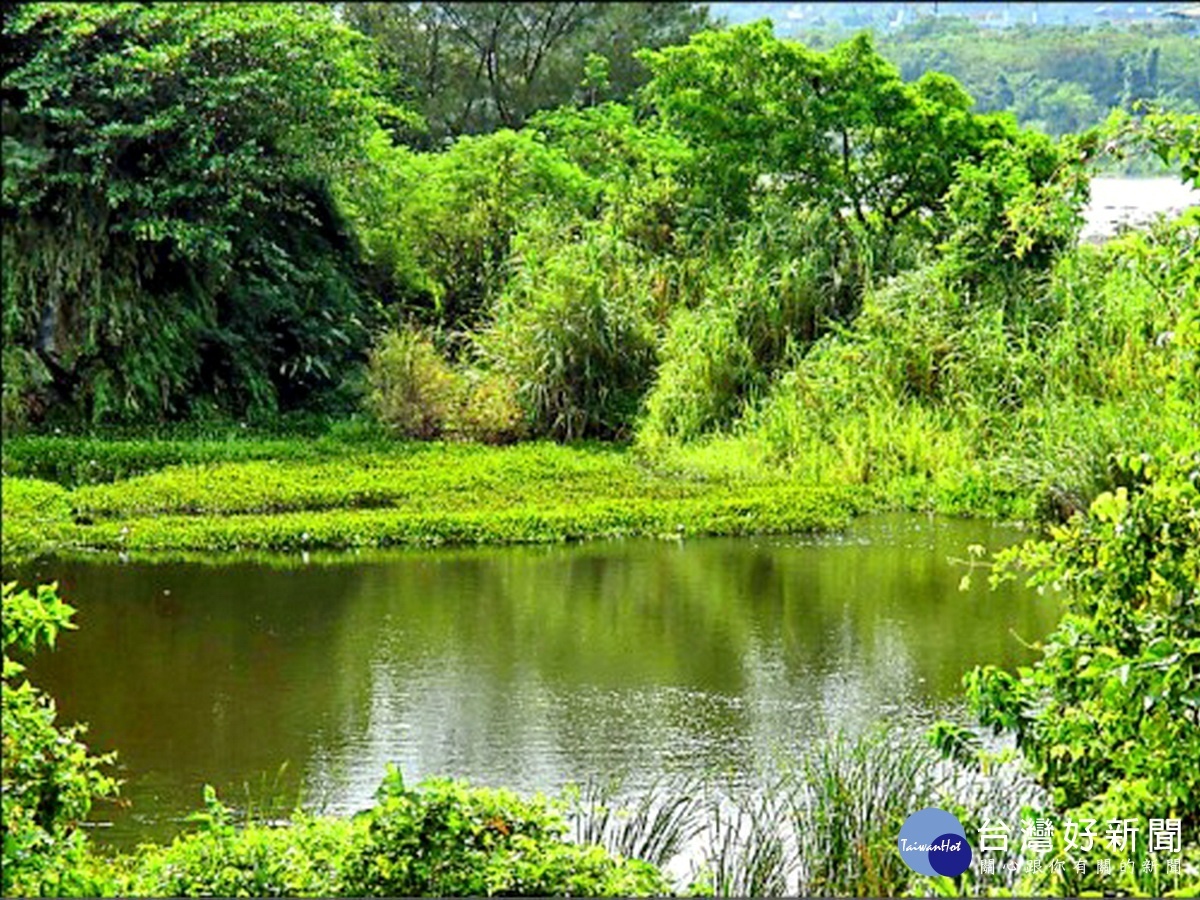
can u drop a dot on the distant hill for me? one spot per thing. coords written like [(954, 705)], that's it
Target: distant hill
[(1057, 67), (886, 17)]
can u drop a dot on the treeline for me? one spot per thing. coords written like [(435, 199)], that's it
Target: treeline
[(1058, 79), (227, 212), (211, 208), (470, 68)]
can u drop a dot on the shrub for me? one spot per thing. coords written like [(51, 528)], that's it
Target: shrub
[(574, 334), (1013, 213), (1111, 703), (49, 778), (457, 222), (304, 858), (489, 411), (413, 390), (447, 839), (442, 838), (1107, 717)]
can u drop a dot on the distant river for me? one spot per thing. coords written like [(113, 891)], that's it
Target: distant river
[(1133, 201)]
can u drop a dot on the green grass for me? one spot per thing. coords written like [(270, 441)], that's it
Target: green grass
[(1008, 402), (406, 494), (75, 460)]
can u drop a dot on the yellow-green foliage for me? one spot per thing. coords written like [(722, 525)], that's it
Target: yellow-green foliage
[(36, 514), (447, 839), (415, 392), (93, 460), (429, 494), (413, 389), (1106, 719), (489, 411), (301, 859)]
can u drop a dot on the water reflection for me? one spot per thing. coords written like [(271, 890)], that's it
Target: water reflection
[(526, 667)]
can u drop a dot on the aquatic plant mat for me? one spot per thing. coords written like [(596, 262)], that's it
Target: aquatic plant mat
[(411, 494)]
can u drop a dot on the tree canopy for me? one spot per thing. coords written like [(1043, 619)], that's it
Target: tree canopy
[(475, 67), (838, 129), (170, 236)]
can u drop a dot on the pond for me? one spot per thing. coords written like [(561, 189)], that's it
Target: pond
[(528, 667)]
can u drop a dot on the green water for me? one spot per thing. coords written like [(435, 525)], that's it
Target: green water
[(527, 667)]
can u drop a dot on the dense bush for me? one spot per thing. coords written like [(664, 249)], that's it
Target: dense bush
[(304, 858), (171, 244), (455, 214), (416, 393), (413, 389), (49, 777), (490, 411), (445, 839), (561, 251), (1107, 718), (441, 838), (1108, 714), (574, 332), (1012, 214)]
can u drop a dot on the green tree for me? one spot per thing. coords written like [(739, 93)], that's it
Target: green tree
[(445, 221), (839, 130), (171, 243), (1011, 215), (1060, 78), (475, 67)]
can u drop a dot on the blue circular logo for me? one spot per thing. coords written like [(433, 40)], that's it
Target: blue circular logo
[(933, 842)]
